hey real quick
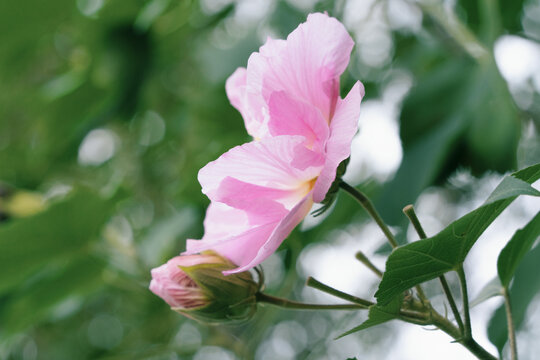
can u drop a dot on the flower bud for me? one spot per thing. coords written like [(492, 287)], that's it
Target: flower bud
[(194, 286)]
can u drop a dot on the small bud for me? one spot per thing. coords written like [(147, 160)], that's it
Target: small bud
[(194, 286)]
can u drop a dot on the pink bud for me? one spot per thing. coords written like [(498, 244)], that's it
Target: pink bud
[(194, 286), (174, 286)]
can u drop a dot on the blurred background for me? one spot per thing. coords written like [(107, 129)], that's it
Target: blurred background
[(108, 109)]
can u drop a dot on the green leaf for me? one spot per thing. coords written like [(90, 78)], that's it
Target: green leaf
[(429, 258), (515, 250), (511, 186), (377, 315), (523, 290), (66, 228), (491, 289)]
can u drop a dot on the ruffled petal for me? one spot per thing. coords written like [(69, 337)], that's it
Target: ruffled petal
[(338, 147), (307, 66), (279, 232), (265, 163), (258, 202), (235, 86), (240, 249), (289, 116)]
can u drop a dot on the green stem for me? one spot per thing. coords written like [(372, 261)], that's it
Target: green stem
[(467, 333), (360, 256), (311, 282), (510, 321), (452, 303), (368, 206), (411, 214), (289, 304)]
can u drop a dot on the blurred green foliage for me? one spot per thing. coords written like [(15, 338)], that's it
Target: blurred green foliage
[(108, 109)]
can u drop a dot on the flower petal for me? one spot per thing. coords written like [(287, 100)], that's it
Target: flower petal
[(307, 66), (249, 106), (223, 221), (289, 116), (280, 231), (338, 147), (261, 204), (265, 163), (240, 248)]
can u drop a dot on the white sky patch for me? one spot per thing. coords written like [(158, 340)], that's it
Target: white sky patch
[(376, 150), (334, 263), (404, 15), (518, 60)]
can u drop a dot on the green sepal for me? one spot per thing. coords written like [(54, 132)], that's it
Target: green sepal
[(231, 298), (334, 189)]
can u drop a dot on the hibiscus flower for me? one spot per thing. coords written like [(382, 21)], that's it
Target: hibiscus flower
[(289, 98)]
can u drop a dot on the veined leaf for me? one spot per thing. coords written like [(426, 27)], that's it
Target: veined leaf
[(515, 250), (429, 258), (511, 186)]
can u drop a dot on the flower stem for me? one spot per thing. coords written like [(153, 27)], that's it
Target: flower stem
[(411, 214), (452, 303), (311, 282), (289, 304), (360, 256), (510, 321), (467, 333), (368, 206)]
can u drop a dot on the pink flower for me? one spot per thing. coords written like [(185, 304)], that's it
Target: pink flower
[(289, 99)]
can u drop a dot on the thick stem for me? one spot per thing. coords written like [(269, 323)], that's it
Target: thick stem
[(368, 206), (311, 282), (289, 304), (411, 214), (360, 256), (510, 321)]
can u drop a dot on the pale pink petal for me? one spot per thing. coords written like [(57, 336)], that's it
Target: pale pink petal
[(229, 232), (289, 116), (248, 106), (265, 163), (261, 204), (240, 248), (280, 231), (235, 86), (307, 66), (223, 221), (245, 93), (172, 284), (338, 147)]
